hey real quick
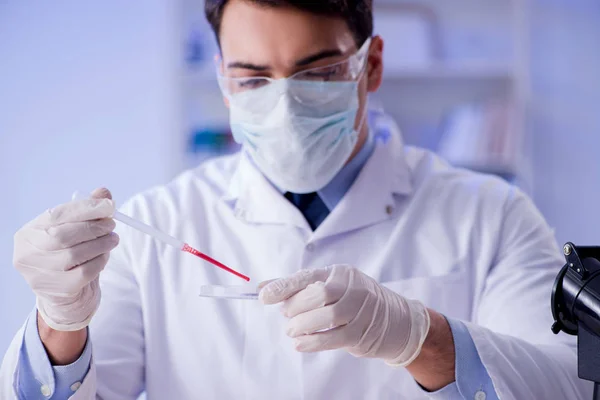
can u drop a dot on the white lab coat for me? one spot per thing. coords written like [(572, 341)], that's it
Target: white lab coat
[(467, 245)]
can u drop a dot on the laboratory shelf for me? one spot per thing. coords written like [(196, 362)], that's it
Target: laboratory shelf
[(451, 72)]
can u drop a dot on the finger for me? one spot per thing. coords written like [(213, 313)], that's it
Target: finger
[(327, 317), (74, 279), (101, 193), (282, 289), (73, 233), (338, 338), (316, 295), (83, 252), (349, 336), (76, 211), (263, 284)]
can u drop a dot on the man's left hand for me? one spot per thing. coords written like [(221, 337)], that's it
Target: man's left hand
[(339, 307)]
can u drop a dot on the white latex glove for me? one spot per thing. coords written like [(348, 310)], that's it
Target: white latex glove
[(340, 307), (61, 253)]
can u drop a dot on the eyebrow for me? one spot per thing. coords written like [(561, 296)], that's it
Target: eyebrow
[(246, 65), (300, 63), (318, 56)]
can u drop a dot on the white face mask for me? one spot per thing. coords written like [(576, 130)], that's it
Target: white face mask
[(300, 133)]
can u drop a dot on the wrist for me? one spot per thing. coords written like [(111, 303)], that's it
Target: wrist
[(62, 347), (434, 367)]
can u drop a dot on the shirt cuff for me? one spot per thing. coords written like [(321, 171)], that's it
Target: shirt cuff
[(37, 376), (447, 392), (472, 379)]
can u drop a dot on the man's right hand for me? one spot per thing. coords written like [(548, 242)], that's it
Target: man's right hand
[(61, 254)]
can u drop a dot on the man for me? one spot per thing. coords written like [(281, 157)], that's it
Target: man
[(403, 278)]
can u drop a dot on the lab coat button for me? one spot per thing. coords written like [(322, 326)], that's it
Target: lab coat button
[(389, 210), (46, 392), (240, 213), (75, 386), (310, 247), (480, 395)]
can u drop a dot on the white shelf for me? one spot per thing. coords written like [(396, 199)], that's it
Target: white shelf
[(475, 7), (490, 168), (451, 72), (486, 3)]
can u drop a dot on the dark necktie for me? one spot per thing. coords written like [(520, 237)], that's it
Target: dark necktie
[(311, 206)]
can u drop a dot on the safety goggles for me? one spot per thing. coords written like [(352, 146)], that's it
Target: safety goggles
[(301, 85)]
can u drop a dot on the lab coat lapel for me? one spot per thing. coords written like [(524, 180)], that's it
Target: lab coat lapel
[(368, 201), (257, 201), (371, 198)]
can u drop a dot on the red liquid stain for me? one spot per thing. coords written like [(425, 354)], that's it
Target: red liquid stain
[(189, 249)]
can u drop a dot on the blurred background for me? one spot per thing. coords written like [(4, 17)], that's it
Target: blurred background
[(123, 95)]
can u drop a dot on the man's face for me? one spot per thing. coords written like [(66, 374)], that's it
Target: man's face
[(277, 42)]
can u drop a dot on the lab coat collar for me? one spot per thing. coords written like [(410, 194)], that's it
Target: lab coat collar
[(256, 200), (369, 200)]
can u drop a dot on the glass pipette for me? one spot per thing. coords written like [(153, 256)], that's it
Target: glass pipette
[(181, 245), (170, 240)]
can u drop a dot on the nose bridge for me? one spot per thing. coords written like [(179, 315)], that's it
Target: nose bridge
[(283, 92)]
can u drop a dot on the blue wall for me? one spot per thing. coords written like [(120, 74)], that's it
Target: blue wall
[(88, 97)]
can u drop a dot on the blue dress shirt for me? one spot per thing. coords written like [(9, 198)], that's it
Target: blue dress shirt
[(35, 370), (36, 376)]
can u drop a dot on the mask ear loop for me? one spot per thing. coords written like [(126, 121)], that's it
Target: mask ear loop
[(363, 118)]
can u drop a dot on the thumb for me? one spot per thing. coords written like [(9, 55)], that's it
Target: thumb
[(278, 290), (101, 193)]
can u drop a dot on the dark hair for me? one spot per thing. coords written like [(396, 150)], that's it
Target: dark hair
[(358, 14)]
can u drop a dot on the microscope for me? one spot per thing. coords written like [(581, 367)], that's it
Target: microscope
[(576, 307)]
